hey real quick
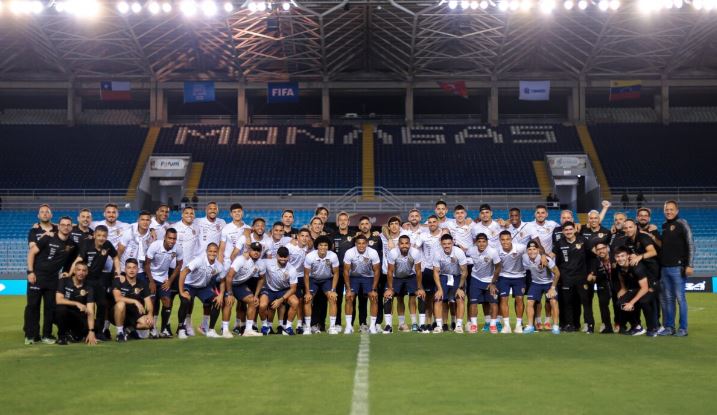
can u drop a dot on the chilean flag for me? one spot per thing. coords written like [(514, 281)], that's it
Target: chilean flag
[(115, 91), (455, 88)]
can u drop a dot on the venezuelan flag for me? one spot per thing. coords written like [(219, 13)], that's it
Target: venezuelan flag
[(625, 90)]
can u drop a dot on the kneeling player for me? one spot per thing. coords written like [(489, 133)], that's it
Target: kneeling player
[(75, 308), (196, 280), (321, 274), (543, 280), (133, 303), (361, 274), (404, 263), (485, 259), (279, 288), (450, 268), (245, 269)]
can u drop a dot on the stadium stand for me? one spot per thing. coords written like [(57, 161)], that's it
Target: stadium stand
[(299, 157), (621, 115), (474, 156), (656, 155), (80, 157)]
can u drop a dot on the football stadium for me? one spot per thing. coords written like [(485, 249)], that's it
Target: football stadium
[(358, 206)]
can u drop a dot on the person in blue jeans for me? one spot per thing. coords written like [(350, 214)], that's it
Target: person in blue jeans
[(678, 252)]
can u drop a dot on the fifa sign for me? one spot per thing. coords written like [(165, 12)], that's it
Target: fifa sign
[(282, 92)]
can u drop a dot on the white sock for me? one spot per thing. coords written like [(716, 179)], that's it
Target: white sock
[(518, 322), (205, 321), (493, 321), (547, 319), (265, 323), (506, 321), (225, 326), (459, 322), (474, 320), (106, 326), (373, 322), (538, 320), (422, 319), (120, 329), (332, 321), (487, 319), (500, 317), (250, 325), (439, 322), (413, 319), (386, 319), (402, 319), (188, 320), (307, 322), (348, 320)]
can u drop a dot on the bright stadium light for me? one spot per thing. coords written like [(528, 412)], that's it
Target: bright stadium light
[(483, 4), (286, 6), (582, 4), (678, 4), (697, 4), (166, 7), (261, 6), (136, 7), (188, 7), (710, 4), (228, 7), (568, 4), (547, 6), (36, 7), (251, 6), (153, 7), (83, 8), (514, 5), (452, 4), (526, 5), (123, 7), (614, 4), (60, 6), (603, 5), (474, 5), (465, 4), (209, 8)]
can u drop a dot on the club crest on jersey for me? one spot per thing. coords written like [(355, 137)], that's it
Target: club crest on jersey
[(578, 246), (327, 262), (68, 248), (366, 260), (672, 227), (453, 260), (83, 293), (137, 290), (219, 228), (486, 259), (370, 243), (286, 274), (194, 232), (601, 235), (349, 238), (514, 254), (103, 252), (174, 255)]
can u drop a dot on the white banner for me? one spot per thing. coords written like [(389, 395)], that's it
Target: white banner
[(156, 163), (534, 90)]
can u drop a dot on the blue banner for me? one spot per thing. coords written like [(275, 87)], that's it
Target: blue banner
[(13, 287), (198, 91), (534, 90), (281, 92)]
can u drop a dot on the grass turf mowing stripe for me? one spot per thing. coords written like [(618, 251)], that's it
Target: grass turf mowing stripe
[(359, 400)]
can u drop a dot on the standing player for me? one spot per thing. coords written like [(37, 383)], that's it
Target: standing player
[(241, 284), (544, 281), (44, 225), (404, 263), (135, 241), (287, 222), (677, 260), (571, 255), (231, 233), (487, 226), (389, 240), (82, 230), (343, 241), (188, 240), (298, 249), (485, 258), (449, 265), (541, 230), (602, 268), (159, 223), (430, 244), (163, 278), (374, 242), (278, 239), (45, 260), (321, 275), (509, 277), (361, 275), (517, 228), (210, 231), (133, 303), (75, 309), (413, 227), (279, 289), (195, 280)]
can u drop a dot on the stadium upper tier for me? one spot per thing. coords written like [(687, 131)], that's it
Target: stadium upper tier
[(652, 155), (55, 157)]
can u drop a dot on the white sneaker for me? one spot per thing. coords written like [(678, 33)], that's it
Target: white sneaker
[(203, 329), (334, 330), (438, 329), (585, 328), (458, 329), (518, 328), (506, 329), (307, 332), (251, 333), (339, 328), (372, 329), (182, 334), (227, 334), (348, 330), (212, 334), (190, 330), (153, 333)]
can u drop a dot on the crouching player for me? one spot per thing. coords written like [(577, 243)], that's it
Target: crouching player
[(133, 303), (543, 279), (75, 309), (279, 288), (196, 280), (321, 274), (404, 263), (244, 270)]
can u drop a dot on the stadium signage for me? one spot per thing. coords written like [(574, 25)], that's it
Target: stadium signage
[(282, 92), (699, 284), (167, 163)]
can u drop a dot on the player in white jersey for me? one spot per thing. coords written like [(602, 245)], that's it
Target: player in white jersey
[(242, 283), (544, 281), (160, 224), (440, 210), (232, 232), (279, 288), (509, 276), (541, 230), (157, 265), (485, 258), (430, 243), (404, 264), (361, 274), (413, 227), (487, 225), (196, 280), (188, 239), (449, 274), (134, 243), (257, 234), (460, 229), (210, 227), (277, 239), (517, 227), (298, 249), (321, 274), (115, 229)]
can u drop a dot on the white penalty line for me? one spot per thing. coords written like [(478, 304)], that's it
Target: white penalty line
[(359, 400)]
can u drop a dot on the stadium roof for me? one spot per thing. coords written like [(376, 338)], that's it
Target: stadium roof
[(362, 40)]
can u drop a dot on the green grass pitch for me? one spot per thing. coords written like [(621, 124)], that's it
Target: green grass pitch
[(408, 373)]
